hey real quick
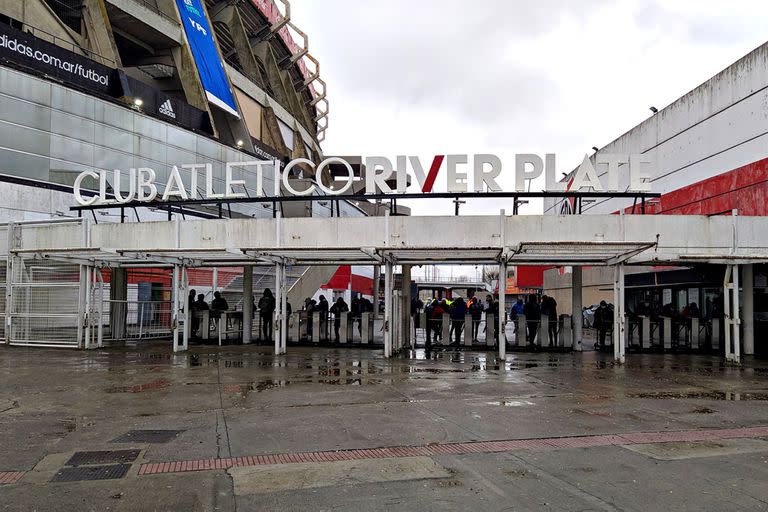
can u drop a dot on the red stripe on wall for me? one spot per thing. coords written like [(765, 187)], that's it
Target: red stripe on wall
[(744, 189)]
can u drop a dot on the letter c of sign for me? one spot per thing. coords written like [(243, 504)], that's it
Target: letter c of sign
[(334, 160), (287, 172), (76, 188)]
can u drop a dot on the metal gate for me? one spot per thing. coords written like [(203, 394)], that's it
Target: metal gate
[(44, 303)]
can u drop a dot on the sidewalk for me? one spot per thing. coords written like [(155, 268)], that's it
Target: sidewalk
[(346, 429)]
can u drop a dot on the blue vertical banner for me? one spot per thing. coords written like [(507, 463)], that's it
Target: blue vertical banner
[(209, 66)]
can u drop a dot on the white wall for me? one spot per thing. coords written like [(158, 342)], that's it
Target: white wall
[(719, 126)]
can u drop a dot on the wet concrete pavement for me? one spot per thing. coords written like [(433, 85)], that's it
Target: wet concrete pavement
[(243, 401)]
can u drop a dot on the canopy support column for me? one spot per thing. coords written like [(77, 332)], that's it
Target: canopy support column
[(388, 309), (748, 298), (181, 309), (376, 289), (247, 303), (405, 317), (502, 310), (577, 317), (731, 314), (282, 317), (619, 322), (278, 301)]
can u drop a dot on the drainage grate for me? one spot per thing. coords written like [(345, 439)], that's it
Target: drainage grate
[(79, 473), (102, 457), (148, 436)]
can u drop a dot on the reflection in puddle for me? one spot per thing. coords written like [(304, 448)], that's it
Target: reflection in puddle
[(511, 403), (705, 395), (139, 388)]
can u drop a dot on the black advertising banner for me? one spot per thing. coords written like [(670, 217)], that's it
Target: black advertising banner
[(42, 57), (162, 106)]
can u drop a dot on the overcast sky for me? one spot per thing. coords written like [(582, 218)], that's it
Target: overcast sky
[(426, 77)]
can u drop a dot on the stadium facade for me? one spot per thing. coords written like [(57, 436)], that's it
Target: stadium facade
[(710, 154), (98, 85)]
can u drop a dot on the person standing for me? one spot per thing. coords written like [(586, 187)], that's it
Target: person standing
[(532, 314), (603, 322), (219, 303), (322, 308), (428, 311), (266, 313), (549, 308), (476, 311), (337, 309), (458, 312), (357, 314), (437, 319)]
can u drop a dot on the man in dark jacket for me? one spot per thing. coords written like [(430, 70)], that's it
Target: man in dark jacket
[(322, 308), (337, 309), (532, 314), (476, 310), (549, 308), (354, 308), (458, 312), (219, 303), (266, 313), (603, 322), (429, 308)]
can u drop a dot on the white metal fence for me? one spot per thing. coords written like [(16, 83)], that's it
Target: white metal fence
[(44, 303)]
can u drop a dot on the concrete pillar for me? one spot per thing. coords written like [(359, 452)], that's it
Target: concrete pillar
[(181, 320), (388, 310), (731, 314), (406, 312), (118, 295), (619, 320), (502, 309), (376, 290), (315, 327), (294, 327), (247, 304), (666, 323), (520, 338), (446, 334), (366, 329), (576, 313), (565, 336), (278, 301), (748, 305), (283, 318), (695, 344), (344, 328), (645, 331), (490, 329), (467, 341), (736, 315), (99, 30), (715, 334)]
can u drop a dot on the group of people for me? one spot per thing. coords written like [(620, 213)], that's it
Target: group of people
[(358, 306), (265, 307), (533, 311), (197, 303), (457, 311)]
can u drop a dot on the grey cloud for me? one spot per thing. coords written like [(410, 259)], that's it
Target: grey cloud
[(448, 54)]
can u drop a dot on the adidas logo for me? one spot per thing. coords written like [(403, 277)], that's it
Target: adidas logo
[(167, 109)]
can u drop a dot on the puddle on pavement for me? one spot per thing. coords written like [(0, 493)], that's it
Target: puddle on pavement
[(706, 395), (265, 385), (139, 388), (511, 403)]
